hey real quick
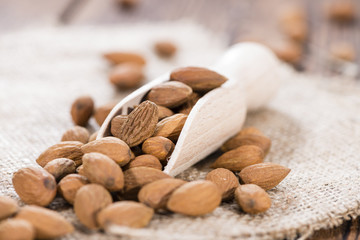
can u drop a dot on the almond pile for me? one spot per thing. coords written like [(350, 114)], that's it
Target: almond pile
[(118, 180)]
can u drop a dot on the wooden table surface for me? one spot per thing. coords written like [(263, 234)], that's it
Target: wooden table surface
[(235, 18)]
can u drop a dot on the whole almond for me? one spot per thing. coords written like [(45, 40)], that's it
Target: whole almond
[(124, 57), (125, 213), (342, 11), (128, 3), (165, 48), (126, 75), (258, 140), (81, 110), (16, 229), (265, 175), (34, 185), (171, 127), (293, 23), (60, 167), (76, 133), (164, 112), (157, 193), (287, 51), (195, 198), (101, 169), (199, 79), (93, 136), (225, 180), (102, 112), (159, 147), (239, 158), (140, 124), (249, 130), (112, 147), (169, 94), (116, 124), (145, 160), (189, 104), (89, 201), (8, 207), (69, 185), (80, 170), (68, 149), (47, 223), (252, 198), (136, 178)]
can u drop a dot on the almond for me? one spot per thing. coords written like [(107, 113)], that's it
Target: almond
[(102, 112), (101, 169), (239, 158), (293, 23), (93, 136), (265, 175), (225, 180), (287, 51), (126, 75), (135, 178), (252, 198), (140, 124), (124, 57), (81, 110), (195, 198), (342, 11), (249, 130), (344, 51), (164, 112), (60, 167), (171, 127), (69, 185), (125, 213), (47, 223), (157, 193), (116, 124), (8, 207), (165, 48), (80, 170), (112, 147), (169, 94), (258, 140), (76, 133), (146, 160), (89, 201), (199, 79), (34, 185), (68, 149), (16, 229), (128, 3), (159, 147), (186, 107)]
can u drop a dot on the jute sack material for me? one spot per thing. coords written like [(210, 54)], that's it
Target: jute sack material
[(313, 123)]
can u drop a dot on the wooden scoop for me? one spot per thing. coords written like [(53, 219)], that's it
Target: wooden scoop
[(253, 74)]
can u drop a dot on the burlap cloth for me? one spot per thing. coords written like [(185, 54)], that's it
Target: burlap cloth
[(314, 124)]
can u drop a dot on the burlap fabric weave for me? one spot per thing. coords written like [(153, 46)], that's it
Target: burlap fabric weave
[(314, 125)]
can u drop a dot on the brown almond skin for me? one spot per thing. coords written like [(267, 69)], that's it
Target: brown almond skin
[(101, 169), (165, 49), (8, 207), (76, 133), (145, 160), (34, 185), (159, 147), (249, 130), (140, 124), (126, 76), (81, 110), (261, 141), (252, 198), (16, 229), (164, 112), (265, 175), (290, 52), (47, 223), (68, 149), (171, 127), (195, 198), (342, 11), (187, 106), (80, 170), (89, 201), (116, 124), (136, 178), (225, 180), (93, 136), (69, 185), (239, 158), (60, 167), (169, 94), (199, 79), (124, 57), (293, 23), (102, 112), (112, 147), (125, 213), (156, 194)]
